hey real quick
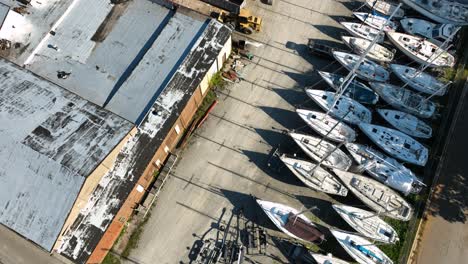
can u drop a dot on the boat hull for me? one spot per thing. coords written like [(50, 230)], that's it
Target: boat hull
[(431, 15), (318, 180), (403, 147), (367, 223), (377, 196), (367, 254), (355, 90)]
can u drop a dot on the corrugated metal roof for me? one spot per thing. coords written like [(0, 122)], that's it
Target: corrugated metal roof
[(50, 141), (120, 56)]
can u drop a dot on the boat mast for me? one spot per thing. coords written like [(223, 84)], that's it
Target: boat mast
[(352, 74), (351, 108), (304, 211)]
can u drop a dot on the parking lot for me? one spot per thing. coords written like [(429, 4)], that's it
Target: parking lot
[(231, 157)]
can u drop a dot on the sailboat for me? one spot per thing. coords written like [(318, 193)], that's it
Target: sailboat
[(419, 81), (345, 108), (404, 99), (421, 50), (367, 70), (385, 169), (377, 53), (442, 11), (322, 150), (327, 259), (385, 7), (406, 123), (437, 33), (356, 90), (396, 144), (361, 249), (375, 21), (367, 223), (363, 31), (377, 196), (314, 176), (291, 222), (327, 126)]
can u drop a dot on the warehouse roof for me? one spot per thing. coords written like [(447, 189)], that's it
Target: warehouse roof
[(121, 56), (50, 141), (83, 236)]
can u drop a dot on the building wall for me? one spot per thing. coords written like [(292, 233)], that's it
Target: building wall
[(169, 144)]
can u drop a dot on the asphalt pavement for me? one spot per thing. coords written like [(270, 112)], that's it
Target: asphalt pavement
[(228, 159)]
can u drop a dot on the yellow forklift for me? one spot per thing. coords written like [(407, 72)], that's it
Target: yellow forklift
[(244, 21)]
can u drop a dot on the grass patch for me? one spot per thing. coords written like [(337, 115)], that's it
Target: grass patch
[(111, 259), (207, 101), (448, 74), (393, 251), (135, 237), (217, 81)]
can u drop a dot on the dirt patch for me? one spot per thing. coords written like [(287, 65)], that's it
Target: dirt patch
[(109, 22)]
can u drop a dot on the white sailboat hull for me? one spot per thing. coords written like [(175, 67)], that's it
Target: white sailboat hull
[(385, 169), (363, 31), (350, 242), (421, 51), (404, 99), (375, 21), (319, 180), (276, 212), (419, 81), (327, 259), (406, 123), (377, 196), (397, 144), (368, 70), (385, 8), (355, 115), (444, 12), (322, 150), (377, 53), (327, 126), (367, 223)]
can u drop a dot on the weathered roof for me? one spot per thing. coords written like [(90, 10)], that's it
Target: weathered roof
[(4, 9), (120, 56), (81, 239), (50, 141)]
